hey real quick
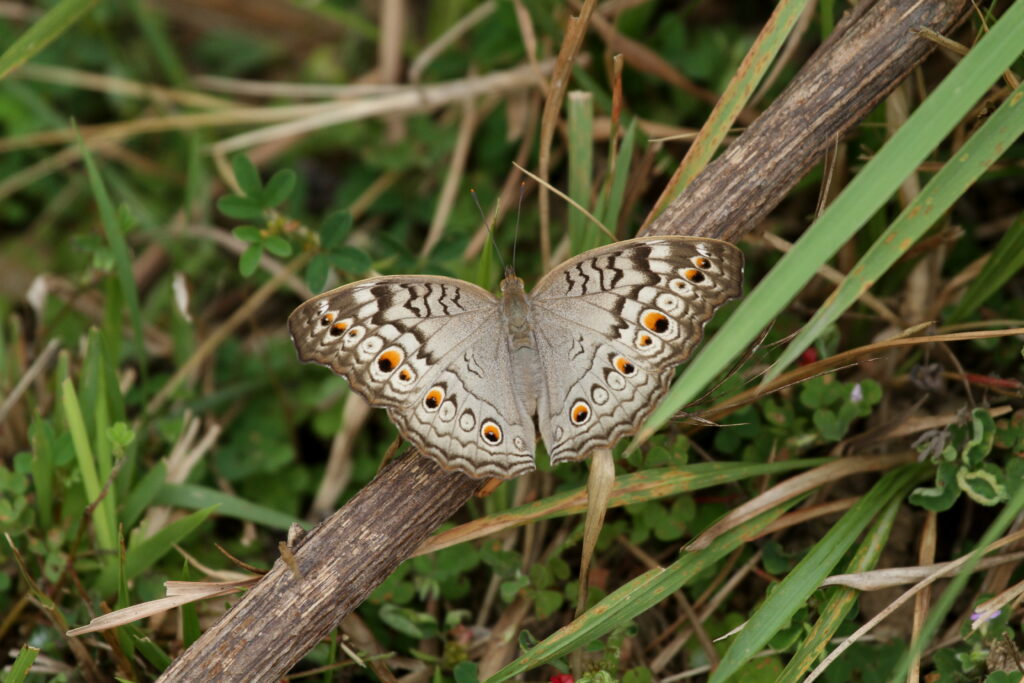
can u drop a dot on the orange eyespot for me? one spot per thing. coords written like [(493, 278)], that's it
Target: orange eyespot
[(580, 412), (701, 262), (389, 360), (693, 275), (327, 319), (624, 366), (337, 328), (404, 376), (655, 321), (433, 399), (491, 432), (644, 340)]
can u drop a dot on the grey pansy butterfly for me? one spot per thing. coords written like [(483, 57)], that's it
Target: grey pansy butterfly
[(469, 378)]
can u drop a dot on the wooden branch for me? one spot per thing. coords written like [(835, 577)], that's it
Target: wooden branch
[(343, 559)]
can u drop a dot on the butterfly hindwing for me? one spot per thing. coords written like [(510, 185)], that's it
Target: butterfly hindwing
[(611, 326), (431, 351)]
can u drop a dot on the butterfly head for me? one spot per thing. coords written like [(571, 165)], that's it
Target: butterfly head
[(512, 285)]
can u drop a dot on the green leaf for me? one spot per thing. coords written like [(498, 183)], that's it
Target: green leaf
[(240, 208), (21, 665), (278, 188), (278, 246), (828, 424), (40, 34), (547, 602), (465, 672), (316, 272), (247, 176), (120, 434), (250, 259), (351, 260), (407, 621), (985, 485), (335, 229), (197, 497), (940, 497), (247, 233)]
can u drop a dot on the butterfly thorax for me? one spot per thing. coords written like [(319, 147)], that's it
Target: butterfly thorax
[(515, 308)]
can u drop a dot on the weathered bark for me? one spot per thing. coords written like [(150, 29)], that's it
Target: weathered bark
[(349, 554)]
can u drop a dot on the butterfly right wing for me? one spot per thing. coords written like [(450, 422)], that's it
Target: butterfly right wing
[(432, 351), (611, 326)]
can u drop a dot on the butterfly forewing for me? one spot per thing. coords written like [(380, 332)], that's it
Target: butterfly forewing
[(612, 324), (425, 348)]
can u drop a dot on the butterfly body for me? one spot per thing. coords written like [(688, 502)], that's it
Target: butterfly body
[(470, 379)]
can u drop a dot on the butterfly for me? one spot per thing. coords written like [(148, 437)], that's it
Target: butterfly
[(470, 378)]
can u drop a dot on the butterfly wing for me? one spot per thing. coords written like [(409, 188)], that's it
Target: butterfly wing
[(429, 350), (612, 324)]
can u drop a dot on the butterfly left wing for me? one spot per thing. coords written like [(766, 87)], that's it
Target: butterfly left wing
[(612, 324), (426, 349)]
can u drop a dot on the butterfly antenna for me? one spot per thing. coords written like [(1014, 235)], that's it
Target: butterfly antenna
[(519, 213), (487, 224)]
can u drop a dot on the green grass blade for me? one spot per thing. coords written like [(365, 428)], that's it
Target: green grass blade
[(118, 245), (102, 518), (983, 148), (145, 553), (195, 497), (52, 24), (637, 596), (1007, 259), (793, 591), (620, 174), (142, 494), (865, 194), (843, 599), (153, 653), (580, 115), (21, 665)]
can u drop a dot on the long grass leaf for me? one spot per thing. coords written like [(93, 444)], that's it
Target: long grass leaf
[(118, 245), (49, 27), (865, 194), (580, 115), (194, 497), (21, 664), (86, 464)]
